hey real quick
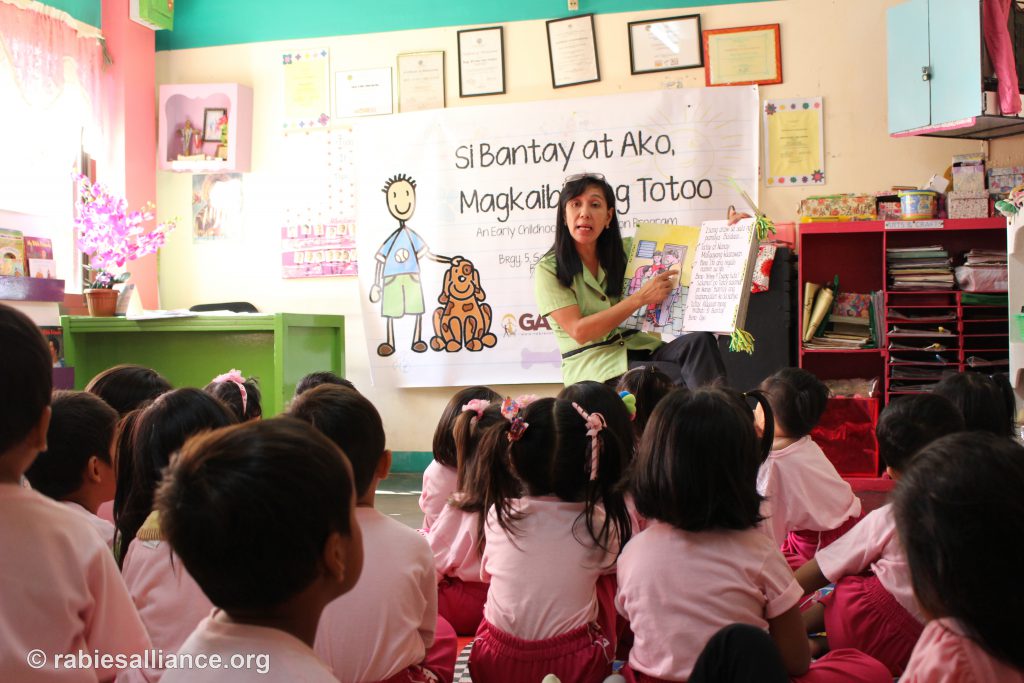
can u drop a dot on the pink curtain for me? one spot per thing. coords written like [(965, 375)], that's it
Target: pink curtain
[(996, 15), (37, 42)]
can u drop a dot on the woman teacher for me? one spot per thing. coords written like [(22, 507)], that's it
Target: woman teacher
[(578, 285)]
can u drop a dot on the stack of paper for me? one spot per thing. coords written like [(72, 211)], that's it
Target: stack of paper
[(926, 267), (984, 270)]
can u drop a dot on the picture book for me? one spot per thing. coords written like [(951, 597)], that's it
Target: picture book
[(715, 264), (42, 267), (12, 252), (54, 336), (38, 247)]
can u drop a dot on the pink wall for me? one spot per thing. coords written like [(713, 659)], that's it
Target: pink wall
[(129, 122)]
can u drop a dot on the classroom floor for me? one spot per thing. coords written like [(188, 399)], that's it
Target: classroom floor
[(398, 496)]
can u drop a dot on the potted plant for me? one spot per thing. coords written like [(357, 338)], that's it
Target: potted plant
[(111, 235)]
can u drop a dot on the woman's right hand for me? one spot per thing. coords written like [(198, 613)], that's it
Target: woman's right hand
[(658, 287)]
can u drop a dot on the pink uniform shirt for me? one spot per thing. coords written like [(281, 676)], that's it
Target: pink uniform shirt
[(104, 528), (543, 580), (386, 623), (677, 588), (872, 544), (169, 600), (803, 490), (944, 655), (262, 653), (453, 541), (60, 591), (439, 482)]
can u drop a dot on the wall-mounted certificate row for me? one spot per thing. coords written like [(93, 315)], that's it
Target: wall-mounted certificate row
[(732, 56)]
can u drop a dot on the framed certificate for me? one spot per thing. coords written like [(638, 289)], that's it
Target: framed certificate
[(481, 62), (665, 44), (420, 81), (743, 56), (362, 92), (572, 50)]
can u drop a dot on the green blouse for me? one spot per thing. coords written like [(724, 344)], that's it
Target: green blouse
[(588, 292)]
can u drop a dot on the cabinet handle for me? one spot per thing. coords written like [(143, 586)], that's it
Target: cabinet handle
[(926, 73)]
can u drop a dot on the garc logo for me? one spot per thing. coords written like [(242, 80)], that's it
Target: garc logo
[(533, 323)]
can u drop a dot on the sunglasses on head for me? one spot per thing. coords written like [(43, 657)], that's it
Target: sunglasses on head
[(580, 176)]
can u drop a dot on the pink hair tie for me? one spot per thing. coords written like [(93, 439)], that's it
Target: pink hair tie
[(234, 376), (478, 406), (595, 423)]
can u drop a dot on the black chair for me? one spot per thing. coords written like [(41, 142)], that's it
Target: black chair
[(233, 306)]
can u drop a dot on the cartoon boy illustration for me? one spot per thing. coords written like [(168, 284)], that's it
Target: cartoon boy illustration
[(396, 281)]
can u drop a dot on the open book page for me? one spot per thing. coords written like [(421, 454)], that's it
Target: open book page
[(658, 247), (720, 282)]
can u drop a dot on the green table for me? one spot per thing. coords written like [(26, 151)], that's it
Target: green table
[(277, 349)]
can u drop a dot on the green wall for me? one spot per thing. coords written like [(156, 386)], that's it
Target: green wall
[(87, 11), (203, 23)]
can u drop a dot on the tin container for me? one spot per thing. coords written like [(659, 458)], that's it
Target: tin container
[(916, 205)]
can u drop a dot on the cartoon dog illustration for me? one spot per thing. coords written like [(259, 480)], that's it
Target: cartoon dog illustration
[(464, 320)]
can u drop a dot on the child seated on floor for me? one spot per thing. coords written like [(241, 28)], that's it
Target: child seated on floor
[(959, 513), (986, 402), (387, 627), (702, 563), (550, 550), (456, 537), (167, 597), (238, 393), (872, 608), (261, 514), (807, 504), (648, 385), (126, 387), (61, 593), (440, 477), (77, 467)]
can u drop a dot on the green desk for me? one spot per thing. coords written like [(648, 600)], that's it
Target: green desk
[(277, 349)]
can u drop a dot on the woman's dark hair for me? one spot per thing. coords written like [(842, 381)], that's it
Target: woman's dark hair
[(444, 442), (249, 509), (609, 244), (697, 464), (82, 425), (347, 418), (125, 387), (552, 457), (315, 379), (159, 432), (479, 486), (987, 403), (124, 459), (648, 385), (798, 400), (958, 511), (26, 376), (598, 397), (230, 393), (909, 423)]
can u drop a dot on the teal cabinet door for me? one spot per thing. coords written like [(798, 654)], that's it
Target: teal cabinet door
[(954, 28), (907, 47)]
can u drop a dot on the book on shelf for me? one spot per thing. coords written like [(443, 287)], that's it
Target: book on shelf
[(54, 335), (12, 253), (42, 268), (715, 263), (843, 320)]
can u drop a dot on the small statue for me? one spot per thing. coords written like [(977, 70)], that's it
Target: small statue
[(186, 138)]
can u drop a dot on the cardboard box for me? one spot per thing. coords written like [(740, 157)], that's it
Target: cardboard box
[(967, 204), (1002, 180), (889, 208), (969, 177), (838, 207)]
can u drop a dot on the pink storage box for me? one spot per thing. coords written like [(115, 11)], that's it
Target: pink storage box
[(969, 178)]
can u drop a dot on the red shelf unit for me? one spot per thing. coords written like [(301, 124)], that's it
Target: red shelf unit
[(856, 252)]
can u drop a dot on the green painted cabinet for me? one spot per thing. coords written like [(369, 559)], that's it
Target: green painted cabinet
[(277, 349), (155, 14)]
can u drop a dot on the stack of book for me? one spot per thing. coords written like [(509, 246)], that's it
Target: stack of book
[(984, 270), (852, 322), (927, 267)]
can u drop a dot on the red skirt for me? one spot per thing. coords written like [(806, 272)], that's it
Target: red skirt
[(861, 614)]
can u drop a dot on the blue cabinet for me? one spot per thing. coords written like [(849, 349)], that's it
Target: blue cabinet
[(934, 50)]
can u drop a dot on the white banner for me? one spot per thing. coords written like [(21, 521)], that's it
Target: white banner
[(482, 184)]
